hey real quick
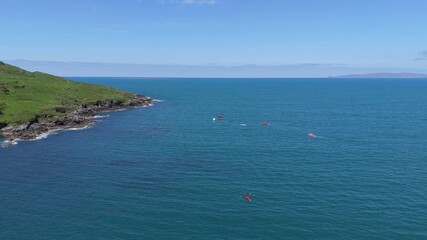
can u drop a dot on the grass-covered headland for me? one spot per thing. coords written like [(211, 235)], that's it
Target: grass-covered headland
[(36, 98)]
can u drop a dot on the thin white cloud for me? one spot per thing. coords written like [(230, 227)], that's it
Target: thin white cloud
[(423, 56), (198, 1)]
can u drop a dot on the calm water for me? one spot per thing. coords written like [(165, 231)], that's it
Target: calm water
[(169, 172)]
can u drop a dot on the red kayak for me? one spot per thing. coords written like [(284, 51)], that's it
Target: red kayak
[(248, 197)]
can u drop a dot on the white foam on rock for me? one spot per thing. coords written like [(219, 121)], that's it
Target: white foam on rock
[(8, 143), (77, 129), (100, 116)]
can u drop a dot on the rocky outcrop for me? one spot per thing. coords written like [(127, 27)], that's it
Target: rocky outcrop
[(80, 117)]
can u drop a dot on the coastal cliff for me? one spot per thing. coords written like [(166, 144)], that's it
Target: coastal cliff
[(35, 103)]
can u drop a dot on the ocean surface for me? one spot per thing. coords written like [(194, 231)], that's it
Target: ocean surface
[(170, 172)]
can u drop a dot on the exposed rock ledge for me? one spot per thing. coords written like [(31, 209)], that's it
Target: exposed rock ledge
[(81, 117)]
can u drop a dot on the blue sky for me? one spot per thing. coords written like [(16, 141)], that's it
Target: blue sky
[(357, 33)]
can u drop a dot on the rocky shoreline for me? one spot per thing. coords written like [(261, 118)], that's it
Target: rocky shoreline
[(81, 116)]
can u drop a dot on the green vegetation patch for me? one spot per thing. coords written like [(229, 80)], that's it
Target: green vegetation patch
[(25, 95)]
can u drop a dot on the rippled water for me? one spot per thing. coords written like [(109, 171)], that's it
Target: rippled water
[(170, 172)]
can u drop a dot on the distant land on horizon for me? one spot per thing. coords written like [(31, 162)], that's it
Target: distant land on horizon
[(384, 75), (99, 69)]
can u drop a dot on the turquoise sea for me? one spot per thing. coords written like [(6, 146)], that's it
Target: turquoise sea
[(170, 172)]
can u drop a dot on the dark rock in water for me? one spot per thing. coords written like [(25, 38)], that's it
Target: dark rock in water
[(81, 117)]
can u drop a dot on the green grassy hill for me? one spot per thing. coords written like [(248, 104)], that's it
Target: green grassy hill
[(24, 95)]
